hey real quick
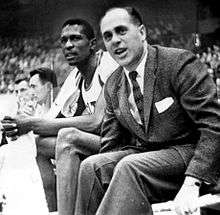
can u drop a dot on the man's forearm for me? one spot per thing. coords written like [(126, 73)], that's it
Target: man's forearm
[(51, 126)]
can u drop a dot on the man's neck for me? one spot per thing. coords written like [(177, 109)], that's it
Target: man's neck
[(142, 55), (87, 68), (47, 102)]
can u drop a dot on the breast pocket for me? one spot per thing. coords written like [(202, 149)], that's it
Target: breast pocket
[(164, 104)]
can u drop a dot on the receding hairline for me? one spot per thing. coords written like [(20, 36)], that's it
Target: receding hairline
[(133, 14)]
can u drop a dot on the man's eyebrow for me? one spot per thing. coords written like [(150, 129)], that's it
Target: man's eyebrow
[(106, 32), (119, 27)]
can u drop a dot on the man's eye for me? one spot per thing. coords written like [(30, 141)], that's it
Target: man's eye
[(75, 38), (122, 31), (107, 37), (63, 40)]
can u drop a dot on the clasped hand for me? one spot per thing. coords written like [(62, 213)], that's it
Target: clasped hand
[(15, 126)]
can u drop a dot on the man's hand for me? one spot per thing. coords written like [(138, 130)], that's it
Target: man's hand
[(16, 126), (186, 200), (9, 126)]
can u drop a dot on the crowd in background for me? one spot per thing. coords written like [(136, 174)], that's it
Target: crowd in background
[(21, 55), (25, 54)]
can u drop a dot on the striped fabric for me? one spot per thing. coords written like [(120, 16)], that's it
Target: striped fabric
[(138, 97)]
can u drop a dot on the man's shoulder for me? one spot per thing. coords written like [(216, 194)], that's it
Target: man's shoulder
[(171, 52), (114, 78), (107, 66), (169, 57)]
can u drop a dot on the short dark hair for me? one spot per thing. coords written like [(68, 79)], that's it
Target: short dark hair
[(87, 28), (133, 12), (21, 77), (46, 75)]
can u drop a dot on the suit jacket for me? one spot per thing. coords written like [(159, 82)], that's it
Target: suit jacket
[(191, 122)]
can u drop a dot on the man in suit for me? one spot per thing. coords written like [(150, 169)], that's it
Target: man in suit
[(79, 109), (161, 130)]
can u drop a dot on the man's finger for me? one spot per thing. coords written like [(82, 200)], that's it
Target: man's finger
[(9, 126), (4, 121), (11, 133), (8, 118)]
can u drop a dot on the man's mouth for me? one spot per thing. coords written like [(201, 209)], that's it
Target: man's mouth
[(70, 56), (120, 52)]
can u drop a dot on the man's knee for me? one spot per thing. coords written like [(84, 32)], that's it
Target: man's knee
[(90, 165), (66, 139), (128, 163), (45, 146)]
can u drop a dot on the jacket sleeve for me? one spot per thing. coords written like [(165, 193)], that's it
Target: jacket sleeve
[(198, 96), (111, 131)]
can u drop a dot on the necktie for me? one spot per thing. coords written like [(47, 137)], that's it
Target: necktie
[(138, 97)]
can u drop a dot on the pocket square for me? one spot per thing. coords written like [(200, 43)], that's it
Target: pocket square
[(164, 104)]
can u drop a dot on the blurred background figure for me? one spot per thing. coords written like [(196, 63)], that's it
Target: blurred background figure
[(42, 82), (17, 158), (21, 92)]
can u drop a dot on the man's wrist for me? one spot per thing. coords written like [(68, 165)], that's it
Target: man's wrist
[(191, 181)]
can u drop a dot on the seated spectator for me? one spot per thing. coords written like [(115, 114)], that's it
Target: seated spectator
[(20, 90), (16, 108), (42, 82)]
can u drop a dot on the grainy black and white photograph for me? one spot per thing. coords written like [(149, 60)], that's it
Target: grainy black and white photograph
[(109, 107)]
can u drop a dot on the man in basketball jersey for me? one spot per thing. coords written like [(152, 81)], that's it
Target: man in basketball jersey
[(79, 110)]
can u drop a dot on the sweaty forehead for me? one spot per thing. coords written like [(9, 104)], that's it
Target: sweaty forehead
[(114, 18), (72, 29)]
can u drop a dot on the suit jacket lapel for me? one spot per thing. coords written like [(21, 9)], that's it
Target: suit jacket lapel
[(149, 81), (124, 107)]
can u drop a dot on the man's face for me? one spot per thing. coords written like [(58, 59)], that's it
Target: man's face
[(21, 89), (75, 44), (123, 39), (38, 89)]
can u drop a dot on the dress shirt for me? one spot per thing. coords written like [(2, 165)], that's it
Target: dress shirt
[(140, 79)]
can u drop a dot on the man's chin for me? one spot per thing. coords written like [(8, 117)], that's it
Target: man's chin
[(72, 63), (122, 62)]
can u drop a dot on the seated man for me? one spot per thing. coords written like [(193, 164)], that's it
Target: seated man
[(81, 96), (42, 82), (14, 106), (165, 99), (17, 159)]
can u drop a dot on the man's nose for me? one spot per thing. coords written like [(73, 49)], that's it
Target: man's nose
[(116, 38), (68, 44)]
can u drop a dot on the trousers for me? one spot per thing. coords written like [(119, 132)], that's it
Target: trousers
[(128, 182)]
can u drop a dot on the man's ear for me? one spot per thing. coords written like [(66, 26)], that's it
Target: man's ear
[(142, 31), (49, 85), (93, 44)]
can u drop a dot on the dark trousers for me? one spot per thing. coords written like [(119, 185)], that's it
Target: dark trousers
[(126, 183)]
